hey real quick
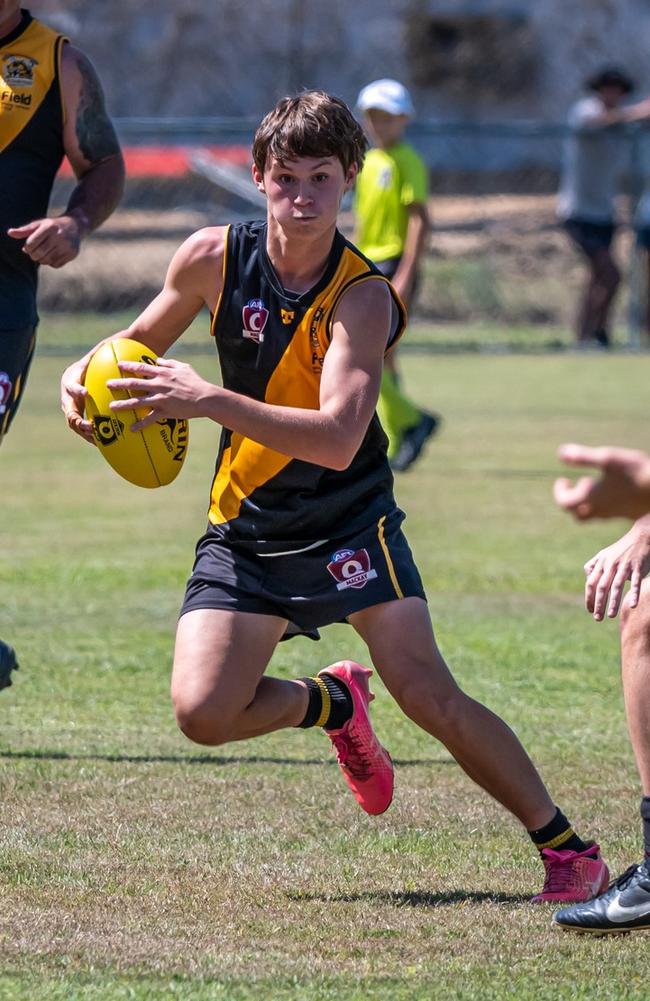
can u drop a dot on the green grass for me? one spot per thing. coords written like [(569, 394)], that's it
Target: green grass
[(136, 866)]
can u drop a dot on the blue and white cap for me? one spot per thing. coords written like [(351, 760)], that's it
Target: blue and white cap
[(386, 95)]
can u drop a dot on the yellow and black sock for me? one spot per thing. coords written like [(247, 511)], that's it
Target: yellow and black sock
[(558, 835), (330, 703)]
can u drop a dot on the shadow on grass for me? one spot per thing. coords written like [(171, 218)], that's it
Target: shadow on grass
[(201, 759), (414, 898)]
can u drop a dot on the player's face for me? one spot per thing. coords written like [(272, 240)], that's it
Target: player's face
[(305, 194), (9, 15), (384, 129)]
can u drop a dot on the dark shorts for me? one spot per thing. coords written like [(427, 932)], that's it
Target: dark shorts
[(590, 237), (321, 584), (16, 353), (643, 237), (389, 268)]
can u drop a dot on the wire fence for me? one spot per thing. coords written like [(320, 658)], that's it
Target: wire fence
[(496, 261)]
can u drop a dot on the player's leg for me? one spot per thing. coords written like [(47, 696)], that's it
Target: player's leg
[(16, 353), (642, 280), (606, 279), (603, 277), (625, 906), (635, 661), (403, 649), (396, 411), (218, 689)]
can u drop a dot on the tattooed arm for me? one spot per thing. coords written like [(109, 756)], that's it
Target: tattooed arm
[(93, 150)]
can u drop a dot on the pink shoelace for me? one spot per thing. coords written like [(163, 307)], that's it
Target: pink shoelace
[(352, 758), (561, 876)]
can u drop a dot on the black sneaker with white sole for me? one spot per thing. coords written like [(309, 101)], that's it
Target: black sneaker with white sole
[(8, 663), (624, 907)]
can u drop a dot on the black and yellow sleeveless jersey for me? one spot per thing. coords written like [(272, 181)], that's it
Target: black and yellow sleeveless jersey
[(272, 344), (31, 150)]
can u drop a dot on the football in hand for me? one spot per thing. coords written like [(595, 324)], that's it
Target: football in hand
[(152, 457)]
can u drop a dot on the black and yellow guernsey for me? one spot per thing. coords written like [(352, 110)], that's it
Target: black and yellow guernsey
[(272, 344), (31, 150)]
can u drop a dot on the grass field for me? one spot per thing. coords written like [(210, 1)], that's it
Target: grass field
[(134, 865)]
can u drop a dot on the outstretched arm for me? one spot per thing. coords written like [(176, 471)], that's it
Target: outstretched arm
[(621, 490), (416, 233), (94, 153)]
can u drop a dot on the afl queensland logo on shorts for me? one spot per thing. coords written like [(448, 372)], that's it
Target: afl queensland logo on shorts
[(5, 391), (351, 569), (254, 315)]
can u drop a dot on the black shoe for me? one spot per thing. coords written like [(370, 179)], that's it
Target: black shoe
[(601, 338), (413, 441), (8, 663), (624, 907)]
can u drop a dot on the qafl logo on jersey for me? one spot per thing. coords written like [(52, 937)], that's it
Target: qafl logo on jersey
[(254, 316), (18, 71), (351, 568), (5, 391)]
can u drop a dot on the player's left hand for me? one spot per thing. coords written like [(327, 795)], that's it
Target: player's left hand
[(52, 241), (168, 389), (607, 571)]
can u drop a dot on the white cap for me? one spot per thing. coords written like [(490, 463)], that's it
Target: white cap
[(386, 95)]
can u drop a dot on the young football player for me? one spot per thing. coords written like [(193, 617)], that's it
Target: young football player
[(303, 529)]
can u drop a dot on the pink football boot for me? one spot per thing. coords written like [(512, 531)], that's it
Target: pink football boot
[(365, 764), (572, 877)]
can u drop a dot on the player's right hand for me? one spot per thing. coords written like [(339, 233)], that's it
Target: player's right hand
[(607, 572), (73, 395)]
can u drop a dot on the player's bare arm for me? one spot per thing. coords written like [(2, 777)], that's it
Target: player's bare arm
[(608, 571), (416, 233), (94, 153), (329, 436), (193, 281)]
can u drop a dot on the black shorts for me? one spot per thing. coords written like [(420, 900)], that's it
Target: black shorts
[(643, 237), (16, 353), (311, 586), (389, 268), (590, 237)]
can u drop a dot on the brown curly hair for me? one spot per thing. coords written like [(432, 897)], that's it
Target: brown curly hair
[(312, 124)]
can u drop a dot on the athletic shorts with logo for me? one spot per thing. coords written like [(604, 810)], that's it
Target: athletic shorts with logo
[(16, 353), (311, 586)]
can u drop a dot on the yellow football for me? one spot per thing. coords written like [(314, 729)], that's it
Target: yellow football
[(149, 458)]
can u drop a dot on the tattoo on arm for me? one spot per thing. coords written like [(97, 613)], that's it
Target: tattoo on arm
[(94, 129)]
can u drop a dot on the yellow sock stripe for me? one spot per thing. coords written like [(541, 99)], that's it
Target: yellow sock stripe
[(559, 840), (327, 703), (389, 562)]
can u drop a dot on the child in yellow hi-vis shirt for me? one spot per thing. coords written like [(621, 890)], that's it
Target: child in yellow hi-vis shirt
[(391, 227)]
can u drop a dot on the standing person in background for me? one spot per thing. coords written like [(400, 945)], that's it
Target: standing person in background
[(596, 157), (621, 490), (51, 104), (391, 228)]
